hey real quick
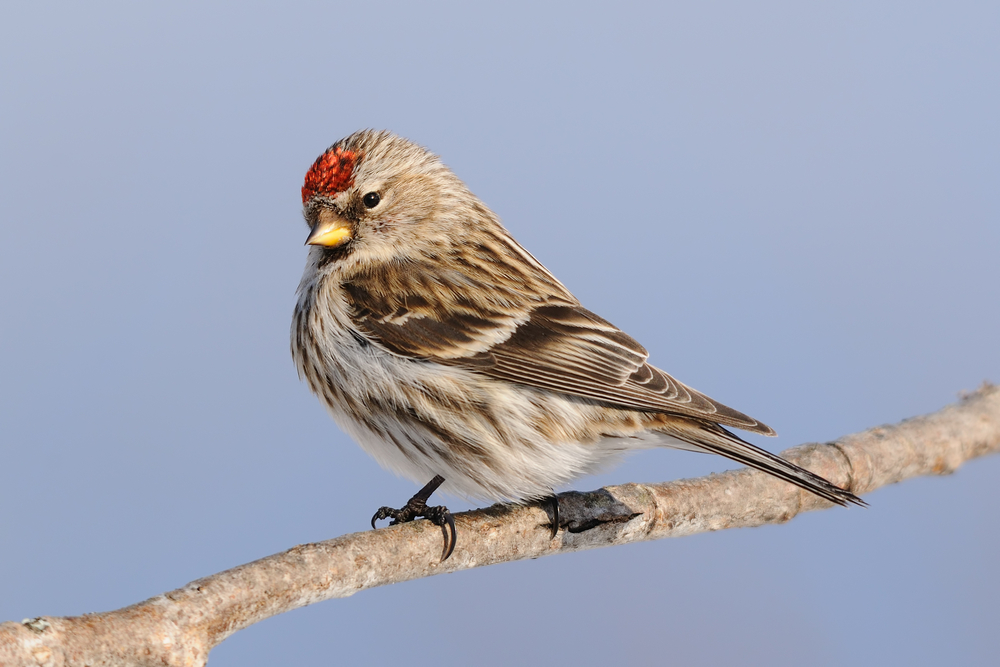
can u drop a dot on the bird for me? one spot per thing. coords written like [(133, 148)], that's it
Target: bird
[(449, 353)]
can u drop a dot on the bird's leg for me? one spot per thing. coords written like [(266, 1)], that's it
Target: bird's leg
[(552, 503), (416, 508)]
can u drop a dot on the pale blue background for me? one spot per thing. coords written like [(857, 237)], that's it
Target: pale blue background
[(794, 206)]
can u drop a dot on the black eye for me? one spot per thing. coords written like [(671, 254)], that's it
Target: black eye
[(371, 199)]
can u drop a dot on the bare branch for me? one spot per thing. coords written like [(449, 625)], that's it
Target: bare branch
[(182, 626)]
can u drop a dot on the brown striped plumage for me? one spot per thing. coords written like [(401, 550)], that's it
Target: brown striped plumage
[(445, 348)]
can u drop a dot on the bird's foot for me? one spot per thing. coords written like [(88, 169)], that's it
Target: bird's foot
[(416, 508)]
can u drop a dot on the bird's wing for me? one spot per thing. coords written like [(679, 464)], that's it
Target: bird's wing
[(566, 348), (536, 335)]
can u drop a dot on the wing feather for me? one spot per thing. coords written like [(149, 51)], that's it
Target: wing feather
[(526, 329)]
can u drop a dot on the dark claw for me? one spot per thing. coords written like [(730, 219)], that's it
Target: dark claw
[(555, 515), (440, 516), (416, 508), (449, 545), (382, 513), (553, 503)]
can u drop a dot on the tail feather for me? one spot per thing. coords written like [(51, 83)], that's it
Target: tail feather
[(717, 440)]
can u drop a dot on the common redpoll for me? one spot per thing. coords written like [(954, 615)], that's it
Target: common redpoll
[(449, 352)]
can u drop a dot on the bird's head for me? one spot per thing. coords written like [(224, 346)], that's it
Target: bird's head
[(377, 196)]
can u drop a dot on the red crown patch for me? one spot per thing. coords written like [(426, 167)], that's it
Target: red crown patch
[(330, 174)]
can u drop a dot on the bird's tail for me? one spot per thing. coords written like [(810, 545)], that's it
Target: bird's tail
[(709, 437)]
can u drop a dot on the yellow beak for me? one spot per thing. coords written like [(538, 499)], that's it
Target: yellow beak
[(331, 230)]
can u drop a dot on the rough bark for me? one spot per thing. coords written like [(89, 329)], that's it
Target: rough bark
[(182, 626)]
